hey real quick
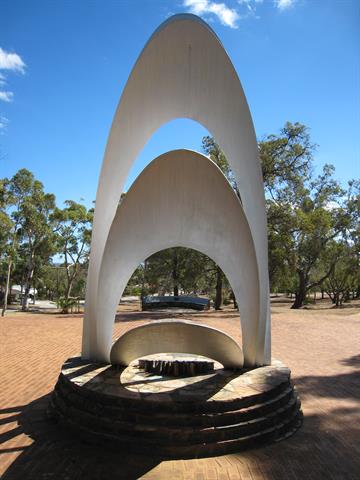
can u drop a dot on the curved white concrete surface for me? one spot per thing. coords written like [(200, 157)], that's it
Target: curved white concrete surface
[(189, 337), (180, 199), (183, 71)]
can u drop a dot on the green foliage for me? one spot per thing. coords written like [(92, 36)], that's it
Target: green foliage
[(73, 236), (313, 234), (286, 159), (33, 217), (33, 230), (304, 213), (214, 152), (345, 274), (66, 304), (175, 269)]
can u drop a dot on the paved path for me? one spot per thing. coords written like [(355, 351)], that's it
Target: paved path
[(321, 347)]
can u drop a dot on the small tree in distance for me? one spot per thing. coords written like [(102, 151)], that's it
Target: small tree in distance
[(73, 242)]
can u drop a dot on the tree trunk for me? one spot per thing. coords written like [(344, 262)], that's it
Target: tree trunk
[(232, 296), (28, 281), (337, 299), (25, 298), (219, 282), (300, 294), (67, 294), (8, 275), (143, 280), (175, 274), (332, 296), (69, 288)]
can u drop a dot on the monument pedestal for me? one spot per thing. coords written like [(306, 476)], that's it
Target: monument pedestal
[(220, 412)]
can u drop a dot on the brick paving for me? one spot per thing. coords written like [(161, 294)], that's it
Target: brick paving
[(320, 346)]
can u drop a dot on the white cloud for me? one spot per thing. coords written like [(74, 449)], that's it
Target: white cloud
[(11, 61), (6, 96), (231, 16), (3, 124), (227, 16), (284, 4)]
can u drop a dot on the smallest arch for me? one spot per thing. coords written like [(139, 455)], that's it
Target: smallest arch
[(163, 336)]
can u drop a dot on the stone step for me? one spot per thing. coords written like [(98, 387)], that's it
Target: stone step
[(244, 414), (98, 402), (176, 434), (139, 445), (176, 419)]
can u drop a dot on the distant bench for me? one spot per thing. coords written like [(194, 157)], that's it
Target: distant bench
[(168, 301)]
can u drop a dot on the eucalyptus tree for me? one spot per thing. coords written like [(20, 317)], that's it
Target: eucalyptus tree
[(286, 161), (286, 158), (32, 216), (214, 152), (343, 283), (73, 229), (344, 276), (15, 194), (6, 235), (353, 232), (308, 218)]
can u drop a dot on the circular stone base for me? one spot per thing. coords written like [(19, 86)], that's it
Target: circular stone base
[(209, 414)]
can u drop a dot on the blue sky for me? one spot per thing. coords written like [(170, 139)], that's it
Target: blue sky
[(63, 65)]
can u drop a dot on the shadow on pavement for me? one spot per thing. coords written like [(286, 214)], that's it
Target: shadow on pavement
[(55, 454)]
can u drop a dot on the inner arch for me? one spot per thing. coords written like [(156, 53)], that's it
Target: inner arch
[(173, 203)]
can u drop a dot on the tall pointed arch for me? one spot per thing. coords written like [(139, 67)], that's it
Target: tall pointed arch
[(183, 71)]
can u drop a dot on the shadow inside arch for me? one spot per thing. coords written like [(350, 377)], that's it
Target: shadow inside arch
[(56, 454)]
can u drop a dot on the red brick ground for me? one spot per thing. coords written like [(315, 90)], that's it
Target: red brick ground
[(320, 346)]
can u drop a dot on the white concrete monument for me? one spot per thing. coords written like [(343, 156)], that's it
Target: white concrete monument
[(181, 198)]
